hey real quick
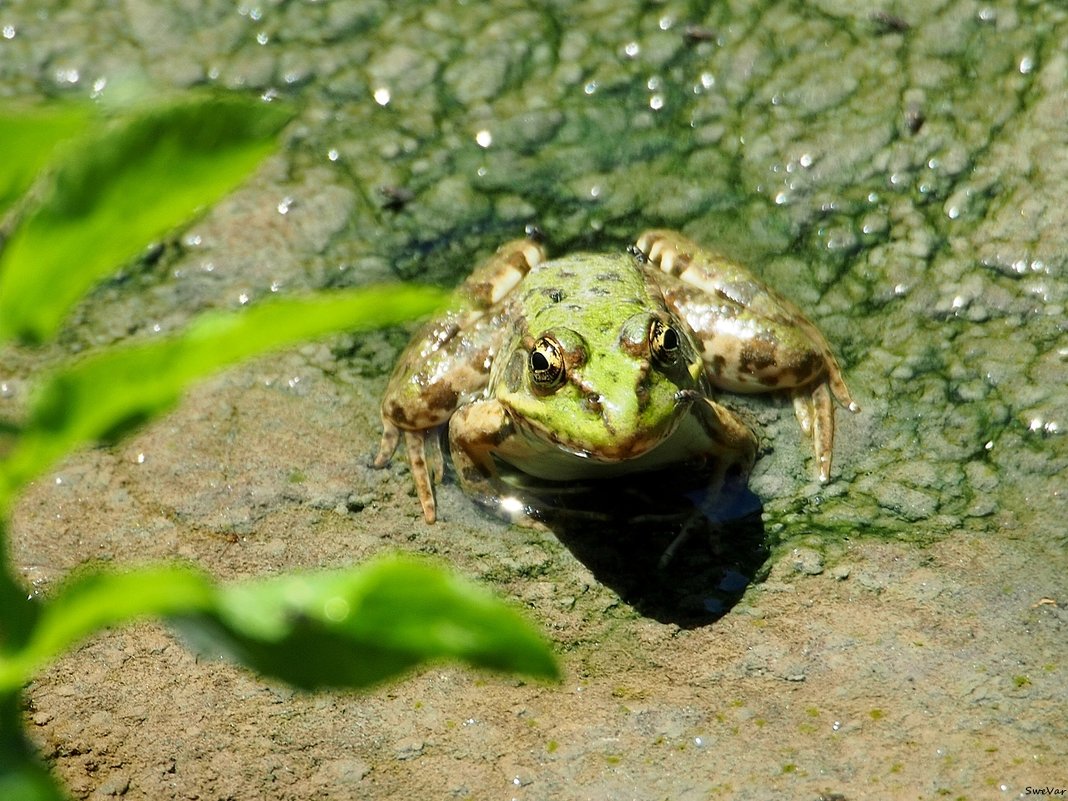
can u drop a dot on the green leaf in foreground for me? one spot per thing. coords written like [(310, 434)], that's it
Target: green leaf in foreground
[(108, 393), (356, 628), (346, 628), (28, 139), (94, 599), (131, 183), (23, 778)]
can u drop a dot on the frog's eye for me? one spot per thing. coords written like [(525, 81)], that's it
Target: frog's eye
[(663, 342), (546, 364)]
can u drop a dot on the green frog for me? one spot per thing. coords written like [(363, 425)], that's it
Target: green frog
[(595, 365)]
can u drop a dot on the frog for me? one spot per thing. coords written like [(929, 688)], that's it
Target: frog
[(596, 365)]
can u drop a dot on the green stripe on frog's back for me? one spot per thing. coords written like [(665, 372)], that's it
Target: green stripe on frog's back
[(601, 289)]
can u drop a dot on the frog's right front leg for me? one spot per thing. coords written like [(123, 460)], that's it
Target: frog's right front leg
[(447, 363), (476, 431)]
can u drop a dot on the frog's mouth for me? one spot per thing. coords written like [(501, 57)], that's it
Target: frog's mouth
[(614, 447)]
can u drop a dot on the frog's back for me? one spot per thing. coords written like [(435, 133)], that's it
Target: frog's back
[(599, 289)]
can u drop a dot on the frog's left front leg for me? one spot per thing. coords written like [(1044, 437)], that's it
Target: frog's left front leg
[(754, 339)]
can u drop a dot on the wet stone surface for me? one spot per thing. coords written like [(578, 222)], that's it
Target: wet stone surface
[(899, 176)]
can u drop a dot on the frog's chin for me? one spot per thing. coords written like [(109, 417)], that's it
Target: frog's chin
[(539, 443)]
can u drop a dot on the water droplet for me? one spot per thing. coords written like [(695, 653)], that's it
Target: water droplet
[(262, 38), (1027, 65), (8, 31), (332, 154), (484, 138), (140, 458), (285, 204), (383, 96), (242, 298), (632, 49), (656, 102)]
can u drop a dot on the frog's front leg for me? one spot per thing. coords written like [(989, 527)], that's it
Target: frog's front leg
[(476, 432), (754, 339), (447, 363)]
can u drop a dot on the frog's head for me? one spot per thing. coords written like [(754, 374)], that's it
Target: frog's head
[(609, 395)]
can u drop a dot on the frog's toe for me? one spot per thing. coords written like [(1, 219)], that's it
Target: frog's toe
[(424, 486), (838, 386), (803, 410), (814, 408), (434, 458), (823, 429), (390, 438)]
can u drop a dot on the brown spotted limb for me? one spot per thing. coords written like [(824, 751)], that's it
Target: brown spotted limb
[(754, 339), (447, 363)]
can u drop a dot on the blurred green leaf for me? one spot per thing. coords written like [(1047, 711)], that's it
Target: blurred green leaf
[(348, 628), (106, 394), (93, 599), (28, 139), (129, 184), (357, 627), (23, 778)]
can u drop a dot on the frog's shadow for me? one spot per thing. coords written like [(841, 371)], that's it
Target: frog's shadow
[(705, 575)]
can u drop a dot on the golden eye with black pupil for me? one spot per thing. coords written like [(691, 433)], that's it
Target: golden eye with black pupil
[(663, 342), (546, 364)]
